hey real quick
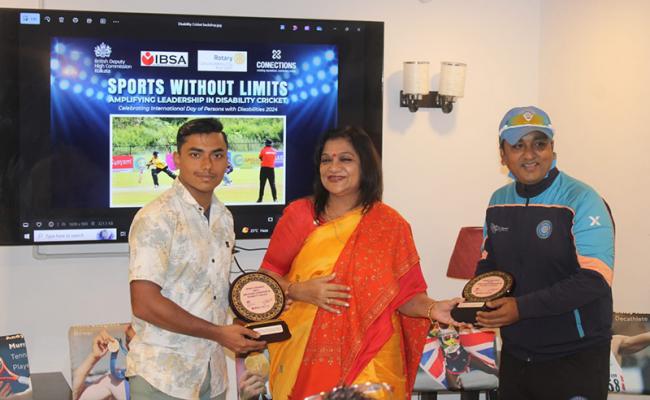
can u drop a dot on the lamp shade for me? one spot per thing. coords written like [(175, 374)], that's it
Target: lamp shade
[(416, 77), (452, 79), (466, 254)]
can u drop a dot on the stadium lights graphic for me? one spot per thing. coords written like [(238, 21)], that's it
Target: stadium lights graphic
[(74, 74)]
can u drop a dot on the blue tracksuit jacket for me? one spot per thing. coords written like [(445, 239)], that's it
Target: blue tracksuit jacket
[(557, 240)]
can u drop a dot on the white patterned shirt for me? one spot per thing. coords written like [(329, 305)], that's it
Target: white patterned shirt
[(173, 245)]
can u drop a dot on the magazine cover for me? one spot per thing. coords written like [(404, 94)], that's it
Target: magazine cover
[(14, 368), (98, 361), (454, 360), (629, 361)]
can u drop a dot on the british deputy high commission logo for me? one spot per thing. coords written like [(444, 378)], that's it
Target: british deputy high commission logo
[(104, 63), (544, 229), (103, 50)]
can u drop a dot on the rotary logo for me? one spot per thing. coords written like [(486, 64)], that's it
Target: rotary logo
[(239, 58)]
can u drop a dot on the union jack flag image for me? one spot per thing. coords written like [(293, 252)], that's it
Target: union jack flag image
[(448, 352)]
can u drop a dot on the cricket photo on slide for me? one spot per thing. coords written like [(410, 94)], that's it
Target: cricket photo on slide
[(142, 148)]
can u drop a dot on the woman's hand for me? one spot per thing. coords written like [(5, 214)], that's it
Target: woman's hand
[(422, 306), (441, 311), (320, 292)]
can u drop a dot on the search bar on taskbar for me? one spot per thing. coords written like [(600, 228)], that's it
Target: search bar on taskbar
[(75, 235)]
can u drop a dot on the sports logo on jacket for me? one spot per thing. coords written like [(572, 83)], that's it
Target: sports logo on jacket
[(494, 228), (544, 229)]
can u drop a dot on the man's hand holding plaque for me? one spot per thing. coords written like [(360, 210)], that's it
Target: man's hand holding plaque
[(258, 300), (478, 291)]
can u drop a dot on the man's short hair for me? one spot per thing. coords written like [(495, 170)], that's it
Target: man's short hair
[(200, 126)]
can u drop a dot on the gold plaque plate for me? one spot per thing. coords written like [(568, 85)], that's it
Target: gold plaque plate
[(488, 286)]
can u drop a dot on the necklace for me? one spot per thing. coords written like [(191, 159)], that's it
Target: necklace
[(336, 232), (333, 220), (330, 216)]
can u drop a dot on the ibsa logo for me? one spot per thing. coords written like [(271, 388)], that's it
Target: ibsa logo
[(163, 59)]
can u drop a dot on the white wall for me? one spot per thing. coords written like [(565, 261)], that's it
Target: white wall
[(595, 58), (439, 169)]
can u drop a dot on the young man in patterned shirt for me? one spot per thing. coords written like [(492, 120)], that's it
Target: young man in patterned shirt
[(180, 254)]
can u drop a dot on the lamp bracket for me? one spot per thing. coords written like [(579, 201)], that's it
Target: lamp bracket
[(430, 100)]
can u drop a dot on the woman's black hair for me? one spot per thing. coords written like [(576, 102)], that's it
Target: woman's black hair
[(371, 184)]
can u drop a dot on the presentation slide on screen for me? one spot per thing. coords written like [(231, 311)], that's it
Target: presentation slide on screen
[(118, 104)]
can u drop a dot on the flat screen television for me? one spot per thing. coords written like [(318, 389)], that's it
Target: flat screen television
[(86, 98)]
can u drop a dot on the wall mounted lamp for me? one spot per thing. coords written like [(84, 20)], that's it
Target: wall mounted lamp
[(415, 92)]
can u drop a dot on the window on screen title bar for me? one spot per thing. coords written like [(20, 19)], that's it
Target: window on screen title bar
[(35, 18)]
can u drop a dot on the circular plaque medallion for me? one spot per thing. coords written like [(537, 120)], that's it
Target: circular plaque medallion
[(488, 286), (256, 297)]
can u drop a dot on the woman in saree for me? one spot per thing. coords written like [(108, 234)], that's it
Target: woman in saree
[(360, 312)]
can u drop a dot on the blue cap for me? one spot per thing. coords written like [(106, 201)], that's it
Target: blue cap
[(521, 121)]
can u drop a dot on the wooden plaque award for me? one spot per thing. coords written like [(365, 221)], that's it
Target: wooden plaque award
[(258, 300), (478, 291)]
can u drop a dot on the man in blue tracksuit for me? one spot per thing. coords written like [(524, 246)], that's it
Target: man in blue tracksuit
[(554, 234)]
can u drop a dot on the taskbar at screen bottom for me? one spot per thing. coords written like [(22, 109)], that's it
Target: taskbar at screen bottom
[(72, 230), (246, 227)]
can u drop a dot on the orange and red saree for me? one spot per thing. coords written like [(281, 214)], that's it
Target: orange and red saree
[(374, 254)]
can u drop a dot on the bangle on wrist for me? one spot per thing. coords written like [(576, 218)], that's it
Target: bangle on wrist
[(286, 292), (429, 310)]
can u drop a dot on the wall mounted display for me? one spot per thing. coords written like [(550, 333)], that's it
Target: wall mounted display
[(90, 103)]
